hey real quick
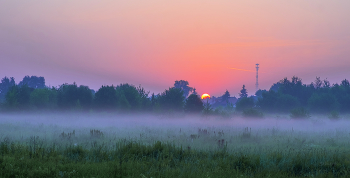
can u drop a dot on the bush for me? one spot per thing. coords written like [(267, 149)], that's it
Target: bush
[(299, 113), (334, 115), (252, 113), (224, 112)]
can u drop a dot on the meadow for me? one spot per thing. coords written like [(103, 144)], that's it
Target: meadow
[(172, 145)]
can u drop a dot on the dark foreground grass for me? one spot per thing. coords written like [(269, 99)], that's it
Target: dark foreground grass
[(129, 159)]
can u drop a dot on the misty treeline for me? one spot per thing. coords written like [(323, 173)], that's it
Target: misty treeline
[(284, 96), (319, 96), (32, 94)]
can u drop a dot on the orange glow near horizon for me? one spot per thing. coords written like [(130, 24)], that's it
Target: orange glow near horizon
[(205, 96)]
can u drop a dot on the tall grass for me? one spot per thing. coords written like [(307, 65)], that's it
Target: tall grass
[(165, 160), (226, 151)]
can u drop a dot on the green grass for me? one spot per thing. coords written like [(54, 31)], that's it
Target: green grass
[(166, 160), (220, 151)]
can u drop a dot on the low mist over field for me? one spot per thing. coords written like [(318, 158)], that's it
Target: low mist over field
[(165, 127)]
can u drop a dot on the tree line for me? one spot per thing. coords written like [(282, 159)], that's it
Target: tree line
[(319, 96), (30, 94), (283, 96)]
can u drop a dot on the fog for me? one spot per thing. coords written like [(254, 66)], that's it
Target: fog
[(178, 129)]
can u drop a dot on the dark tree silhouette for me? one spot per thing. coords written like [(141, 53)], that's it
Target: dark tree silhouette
[(275, 87), (172, 99), (33, 82), (5, 85), (243, 93), (345, 83), (193, 104), (24, 96), (244, 103), (106, 98), (44, 98), (72, 96), (194, 91), (225, 96), (183, 85), (12, 98), (131, 94), (18, 97), (145, 101), (259, 93)]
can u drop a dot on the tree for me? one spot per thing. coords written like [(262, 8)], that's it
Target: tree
[(275, 87), (285, 103), (194, 91), (132, 96), (44, 98), (12, 98), (40, 98), (268, 100), (24, 96), (67, 96), (323, 102), (155, 106), (225, 96), (145, 101), (85, 97), (172, 99), (342, 94), (193, 104), (207, 110), (297, 89), (33, 82), (5, 85), (183, 85), (18, 97), (259, 93), (74, 97), (326, 83), (345, 83), (318, 83), (106, 98), (243, 93), (244, 103)]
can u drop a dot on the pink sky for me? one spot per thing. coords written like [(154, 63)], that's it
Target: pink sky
[(154, 43)]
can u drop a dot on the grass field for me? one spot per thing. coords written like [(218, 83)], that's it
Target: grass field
[(176, 145)]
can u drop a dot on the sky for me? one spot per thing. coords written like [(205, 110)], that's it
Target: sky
[(155, 42)]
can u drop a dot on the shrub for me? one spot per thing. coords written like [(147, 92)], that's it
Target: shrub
[(252, 113), (299, 113), (334, 115)]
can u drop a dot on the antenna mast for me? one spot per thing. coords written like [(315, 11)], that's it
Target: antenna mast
[(257, 81)]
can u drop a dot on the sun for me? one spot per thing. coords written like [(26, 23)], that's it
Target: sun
[(205, 96)]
